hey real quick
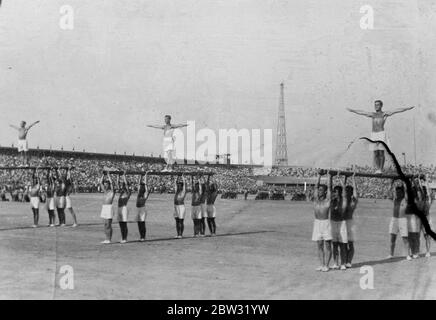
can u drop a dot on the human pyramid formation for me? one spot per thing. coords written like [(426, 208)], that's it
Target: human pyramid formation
[(334, 224), (204, 194), (55, 189)]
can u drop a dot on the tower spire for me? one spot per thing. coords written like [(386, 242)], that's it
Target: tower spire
[(281, 145)]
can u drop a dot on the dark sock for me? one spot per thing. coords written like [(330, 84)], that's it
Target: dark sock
[(202, 226), (177, 226), (209, 224), (124, 230), (141, 228), (35, 216), (213, 225), (51, 216), (182, 226), (195, 221)]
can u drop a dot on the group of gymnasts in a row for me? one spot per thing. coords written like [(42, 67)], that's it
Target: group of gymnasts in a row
[(204, 193)]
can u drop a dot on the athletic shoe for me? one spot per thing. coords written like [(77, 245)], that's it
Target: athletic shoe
[(63, 225), (415, 256), (408, 258), (51, 225), (74, 225), (334, 267), (164, 170), (343, 267), (378, 172), (34, 226), (325, 269), (141, 240), (319, 268), (123, 241), (105, 242), (389, 257), (428, 255), (348, 265)]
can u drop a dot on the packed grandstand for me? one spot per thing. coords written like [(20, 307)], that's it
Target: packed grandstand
[(234, 179)]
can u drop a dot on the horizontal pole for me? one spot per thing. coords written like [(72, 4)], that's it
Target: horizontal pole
[(33, 168), (160, 173), (373, 175)]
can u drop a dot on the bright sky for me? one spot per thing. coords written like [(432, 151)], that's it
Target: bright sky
[(218, 62)]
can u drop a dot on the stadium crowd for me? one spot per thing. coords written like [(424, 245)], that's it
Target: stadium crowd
[(235, 179)]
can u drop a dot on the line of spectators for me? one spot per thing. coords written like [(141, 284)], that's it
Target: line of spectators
[(230, 179)]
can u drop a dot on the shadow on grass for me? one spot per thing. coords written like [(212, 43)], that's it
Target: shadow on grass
[(386, 260), (199, 238)]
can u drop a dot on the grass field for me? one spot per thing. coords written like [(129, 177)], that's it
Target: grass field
[(262, 251)]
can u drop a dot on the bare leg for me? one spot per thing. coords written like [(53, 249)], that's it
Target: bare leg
[(336, 253), (108, 229), (375, 159), (321, 255), (73, 214), (406, 245), (427, 244), (328, 252), (382, 159)]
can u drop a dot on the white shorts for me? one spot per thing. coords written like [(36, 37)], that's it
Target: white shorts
[(322, 230), (351, 230), (211, 211), (413, 223), (179, 211), (22, 145), (169, 150), (196, 212), (60, 202), (398, 225), (107, 212), (69, 203), (141, 214), (379, 136), (50, 203), (339, 231), (123, 214), (203, 210), (34, 202)]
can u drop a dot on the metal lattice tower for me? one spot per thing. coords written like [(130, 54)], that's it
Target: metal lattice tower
[(281, 146)]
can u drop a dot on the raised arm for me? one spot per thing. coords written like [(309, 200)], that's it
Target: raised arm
[(392, 191), (399, 110), (329, 187), (155, 127), (429, 195), (361, 112), (180, 125), (315, 192), (147, 189), (30, 126), (355, 193), (129, 192), (101, 183), (14, 127), (139, 182)]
